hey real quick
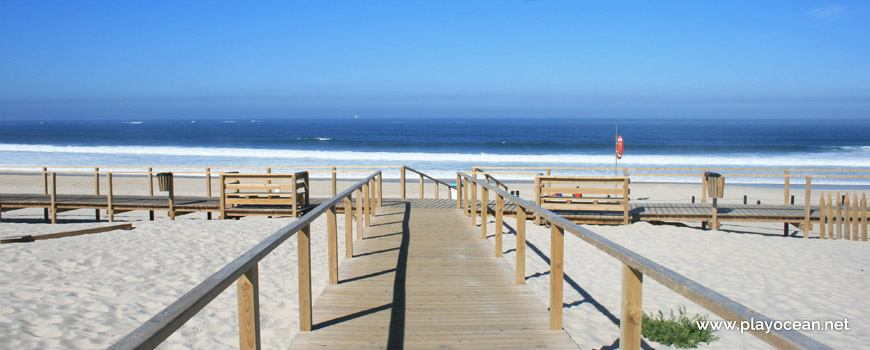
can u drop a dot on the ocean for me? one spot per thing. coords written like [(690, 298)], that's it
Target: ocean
[(442, 146)]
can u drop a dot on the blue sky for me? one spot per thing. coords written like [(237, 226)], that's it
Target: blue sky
[(165, 59)]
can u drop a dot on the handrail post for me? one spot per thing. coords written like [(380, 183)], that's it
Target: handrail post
[(172, 198), (348, 228), (111, 205), (473, 204), (632, 312), (380, 189), (366, 210), (402, 181), (807, 197), (294, 193), (499, 224), (248, 287), (359, 214), (421, 185), (334, 182), (484, 210), (208, 182), (557, 251), (223, 187), (521, 245), (435, 183), (703, 186), (373, 197), (97, 191), (458, 189), (538, 198), (304, 262), (151, 191), (53, 198), (465, 203), (787, 187), (332, 233)]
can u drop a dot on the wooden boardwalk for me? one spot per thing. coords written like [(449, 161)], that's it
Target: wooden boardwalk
[(423, 278)]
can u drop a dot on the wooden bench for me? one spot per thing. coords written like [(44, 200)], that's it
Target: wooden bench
[(264, 194), (585, 200)]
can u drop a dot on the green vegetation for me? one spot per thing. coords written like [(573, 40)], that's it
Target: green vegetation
[(680, 331)]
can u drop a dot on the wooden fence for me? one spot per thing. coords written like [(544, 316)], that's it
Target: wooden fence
[(244, 272), (585, 199), (842, 218), (635, 267)]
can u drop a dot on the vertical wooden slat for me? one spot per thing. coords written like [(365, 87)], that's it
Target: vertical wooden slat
[(223, 197), (366, 209), (334, 182), (626, 219), (499, 224), (110, 209), (332, 242), (847, 232), (557, 251), (402, 181), (484, 210), (53, 198), (830, 217), (808, 225), (97, 191), (248, 287), (359, 214), (473, 204), (304, 258), (714, 225), (855, 214), (465, 197), (839, 216), (787, 187), (435, 189), (822, 217), (864, 217), (521, 245), (421, 185), (632, 312), (348, 228)]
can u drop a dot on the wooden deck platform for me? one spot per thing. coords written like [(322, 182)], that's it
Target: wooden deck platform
[(423, 278)]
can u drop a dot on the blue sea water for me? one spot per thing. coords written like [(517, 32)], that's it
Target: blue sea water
[(440, 146)]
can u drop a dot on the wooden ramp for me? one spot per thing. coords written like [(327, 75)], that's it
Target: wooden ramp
[(423, 278)]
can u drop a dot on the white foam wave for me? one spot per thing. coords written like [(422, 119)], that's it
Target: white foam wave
[(132, 122), (824, 159)]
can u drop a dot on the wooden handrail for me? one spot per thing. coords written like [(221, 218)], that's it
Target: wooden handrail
[(635, 266), (154, 331)]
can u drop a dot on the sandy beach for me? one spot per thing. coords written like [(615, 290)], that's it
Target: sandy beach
[(86, 292)]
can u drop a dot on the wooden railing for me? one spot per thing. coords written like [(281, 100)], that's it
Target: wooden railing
[(422, 177), (635, 266), (243, 271), (785, 174)]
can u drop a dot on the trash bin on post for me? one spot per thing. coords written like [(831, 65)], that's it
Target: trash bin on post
[(453, 193), (166, 184), (715, 184), (716, 189)]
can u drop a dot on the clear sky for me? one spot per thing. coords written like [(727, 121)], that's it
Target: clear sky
[(166, 59)]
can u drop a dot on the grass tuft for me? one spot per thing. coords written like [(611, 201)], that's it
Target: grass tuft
[(678, 330)]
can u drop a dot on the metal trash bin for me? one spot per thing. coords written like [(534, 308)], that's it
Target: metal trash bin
[(453, 192), (164, 181), (715, 184)]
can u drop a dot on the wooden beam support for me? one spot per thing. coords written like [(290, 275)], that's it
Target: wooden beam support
[(557, 274), (499, 224), (97, 192), (473, 204), (380, 189), (521, 245), (110, 208), (632, 311), (348, 228), (332, 238), (484, 211), (366, 205), (402, 182), (359, 215), (248, 288), (304, 262)]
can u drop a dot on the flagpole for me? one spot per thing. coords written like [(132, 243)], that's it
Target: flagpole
[(616, 149)]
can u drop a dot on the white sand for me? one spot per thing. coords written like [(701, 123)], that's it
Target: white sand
[(782, 278), (87, 291)]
